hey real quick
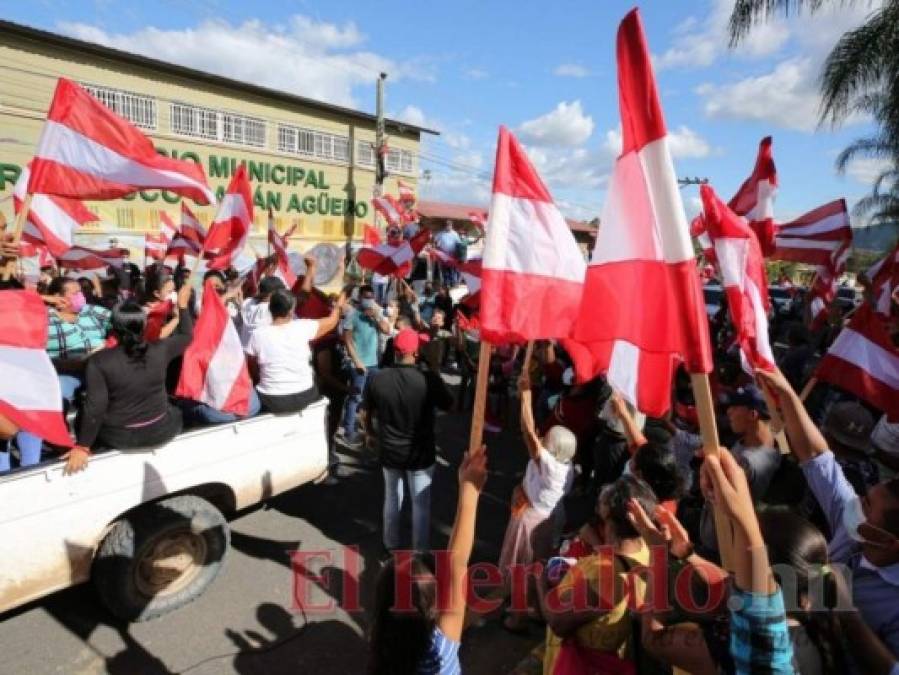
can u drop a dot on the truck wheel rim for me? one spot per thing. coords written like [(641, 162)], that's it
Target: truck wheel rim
[(170, 563)]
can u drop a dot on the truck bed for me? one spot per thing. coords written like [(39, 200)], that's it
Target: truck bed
[(51, 524)]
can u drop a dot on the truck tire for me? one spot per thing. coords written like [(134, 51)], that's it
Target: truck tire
[(160, 557)]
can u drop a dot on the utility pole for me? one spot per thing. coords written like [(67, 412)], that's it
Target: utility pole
[(380, 145)]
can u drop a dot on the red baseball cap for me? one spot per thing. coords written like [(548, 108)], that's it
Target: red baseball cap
[(407, 341)]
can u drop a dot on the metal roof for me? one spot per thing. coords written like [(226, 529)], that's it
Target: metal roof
[(44, 38)]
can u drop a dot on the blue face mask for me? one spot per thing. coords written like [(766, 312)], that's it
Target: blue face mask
[(552, 400)]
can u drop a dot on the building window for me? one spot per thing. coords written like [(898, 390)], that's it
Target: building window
[(138, 109), (243, 130), (190, 120), (406, 165), (365, 153), (313, 143)]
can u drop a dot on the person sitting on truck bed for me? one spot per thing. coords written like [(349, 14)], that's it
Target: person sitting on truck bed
[(126, 405), (281, 355)]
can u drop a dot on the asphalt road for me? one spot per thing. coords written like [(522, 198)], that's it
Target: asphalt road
[(248, 622)]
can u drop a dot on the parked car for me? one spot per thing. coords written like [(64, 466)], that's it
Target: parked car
[(148, 527), (714, 298), (781, 299), (848, 298)]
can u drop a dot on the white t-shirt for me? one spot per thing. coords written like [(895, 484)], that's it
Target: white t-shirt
[(546, 482), (283, 354), (253, 314)]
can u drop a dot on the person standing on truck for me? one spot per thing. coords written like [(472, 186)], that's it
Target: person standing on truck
[(254, 312), (400, 404), (126, 403), (280, 354), (360, 337)]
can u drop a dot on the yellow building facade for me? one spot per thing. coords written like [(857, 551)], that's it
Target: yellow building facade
[(312, 163)]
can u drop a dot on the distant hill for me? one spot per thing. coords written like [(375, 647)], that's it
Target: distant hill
[(875, 237)]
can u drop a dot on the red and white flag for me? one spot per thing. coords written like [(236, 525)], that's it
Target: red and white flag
[(215, 368), (39, 251), (279, 247), (29, 389), (155, 246), (167, 228), (370, 235), (642, 311), (51, 221), (407, 192), (471, 275), (188, 241), (191, 227), (393, 259), (228, 233), (391, 209), (815, 237), (444, 259), (755, 198), (533, 271), (825, 283), (884, 278), (864, 361), (478, 219), (743, 276), (86, 151), (84, 258), (181, 246)]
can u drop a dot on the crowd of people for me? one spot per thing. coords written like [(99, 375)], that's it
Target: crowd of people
[(638, 582), (804, 485)]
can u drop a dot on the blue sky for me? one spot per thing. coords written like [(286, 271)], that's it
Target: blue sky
[(546, 70)]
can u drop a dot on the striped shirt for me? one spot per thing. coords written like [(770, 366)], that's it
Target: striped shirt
[(442, 657), (66, 340), (759, 638)]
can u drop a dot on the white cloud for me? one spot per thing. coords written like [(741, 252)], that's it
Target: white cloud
[(683, 142), (786, 97), (866, 170), (413, 115), (316, 59), (456, 186), (565, 125), (692, 207), (699, 43), (571, 70), (476, 74)]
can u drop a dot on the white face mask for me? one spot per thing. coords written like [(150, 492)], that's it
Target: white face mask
[(853, 517), (173, 297)]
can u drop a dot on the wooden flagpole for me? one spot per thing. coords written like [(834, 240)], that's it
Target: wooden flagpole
[(10, 267), (708, 427), (476, 437), (777, 423)]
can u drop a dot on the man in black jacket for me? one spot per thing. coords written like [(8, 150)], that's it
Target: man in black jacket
[(400, 404)]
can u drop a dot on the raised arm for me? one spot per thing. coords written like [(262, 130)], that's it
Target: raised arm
[(330, 322), (184, 331), (472, 476), (806, 441), (632, 432), (309, 277)]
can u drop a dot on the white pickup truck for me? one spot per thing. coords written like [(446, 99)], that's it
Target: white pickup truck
[(149, 526)]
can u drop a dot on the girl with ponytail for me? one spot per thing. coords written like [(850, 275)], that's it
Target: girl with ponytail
[(126, 403)]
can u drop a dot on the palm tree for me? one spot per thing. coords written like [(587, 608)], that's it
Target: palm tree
[(859, 76)]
